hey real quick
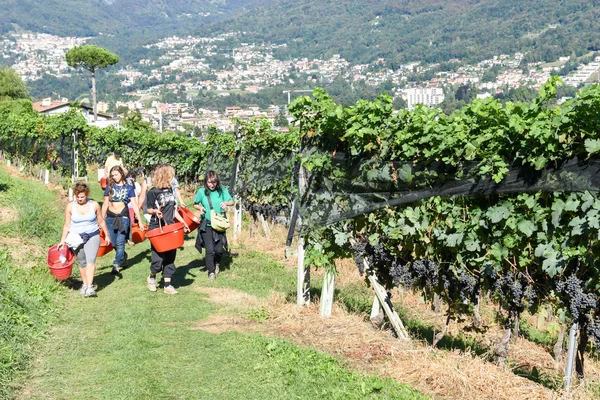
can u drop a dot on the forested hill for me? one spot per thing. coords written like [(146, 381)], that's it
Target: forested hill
[(430, 30), (125, 19)]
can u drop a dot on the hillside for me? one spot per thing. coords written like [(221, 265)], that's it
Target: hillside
[(116, 17), (429, 30)]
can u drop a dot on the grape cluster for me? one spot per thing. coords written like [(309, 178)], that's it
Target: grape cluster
[(267, 211), (593, 330), (358, 250), (580, 303), (514, 291)]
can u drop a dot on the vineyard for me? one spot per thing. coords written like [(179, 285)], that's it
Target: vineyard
[(492, 203)]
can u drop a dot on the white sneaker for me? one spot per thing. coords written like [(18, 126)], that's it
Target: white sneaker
[(83, 289), (90, 292), (170, 290), (151, 284)]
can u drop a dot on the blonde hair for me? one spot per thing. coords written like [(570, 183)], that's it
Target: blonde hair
[(163, 175)]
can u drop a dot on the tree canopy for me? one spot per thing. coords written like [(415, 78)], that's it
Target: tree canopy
[(90, 57), (12, 86)]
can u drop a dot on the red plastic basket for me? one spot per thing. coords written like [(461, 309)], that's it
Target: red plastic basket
[(169, 238), (190, 219), (61, 270), (138, 235), (104, 248)]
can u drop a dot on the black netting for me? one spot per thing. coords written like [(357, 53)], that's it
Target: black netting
[(370, 185)]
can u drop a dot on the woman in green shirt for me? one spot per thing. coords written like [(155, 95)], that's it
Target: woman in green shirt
[(214, 242)]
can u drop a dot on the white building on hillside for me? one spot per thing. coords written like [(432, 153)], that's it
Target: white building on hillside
[(428, 96)]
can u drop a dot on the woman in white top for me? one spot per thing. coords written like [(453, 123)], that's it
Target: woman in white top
[(84, 217)]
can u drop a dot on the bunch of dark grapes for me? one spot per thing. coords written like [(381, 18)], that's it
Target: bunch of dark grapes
[(425, 274), (358, 250), (267, 211), (468, 288), (593, 330), (515, 291), (580, 303)]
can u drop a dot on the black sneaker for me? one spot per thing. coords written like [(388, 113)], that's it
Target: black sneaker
[(116, 271)]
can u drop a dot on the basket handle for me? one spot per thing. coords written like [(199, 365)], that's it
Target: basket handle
[(158, 208)]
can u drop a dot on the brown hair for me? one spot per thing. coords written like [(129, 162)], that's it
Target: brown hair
[(81, 187)]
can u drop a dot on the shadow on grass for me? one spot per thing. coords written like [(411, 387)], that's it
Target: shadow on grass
[(183, 271), (3, 187), (540, 377), (315, 294)]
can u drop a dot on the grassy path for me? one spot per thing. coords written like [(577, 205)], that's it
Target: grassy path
[(130, 343)]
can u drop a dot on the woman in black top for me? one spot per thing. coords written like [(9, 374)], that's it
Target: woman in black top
[(162, 206)]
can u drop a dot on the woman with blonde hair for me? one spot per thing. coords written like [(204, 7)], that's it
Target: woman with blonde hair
[(117, 195), (161, 205), (83, 217)]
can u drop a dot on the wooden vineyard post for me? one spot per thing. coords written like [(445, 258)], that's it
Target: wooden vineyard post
[(303, 286), (75, 174), (572, 349), (327, 292), (386, 303), (237, 218), (376, 316), (265, 225)]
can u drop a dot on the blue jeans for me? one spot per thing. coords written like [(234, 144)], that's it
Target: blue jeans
[(118, 239)]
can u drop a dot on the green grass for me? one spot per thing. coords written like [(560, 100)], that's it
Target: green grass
[(130, 343), (29, 297)]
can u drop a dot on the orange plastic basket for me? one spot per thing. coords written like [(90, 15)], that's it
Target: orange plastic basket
[(138, 235), (168, 238), (104, 248), (60, 262), (190, 219)]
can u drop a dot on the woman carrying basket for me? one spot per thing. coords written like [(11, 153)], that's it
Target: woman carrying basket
[(211, 197), (83, 217), (163, 210), (117, 195)]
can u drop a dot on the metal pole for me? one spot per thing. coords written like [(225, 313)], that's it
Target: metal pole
[(572, 349)]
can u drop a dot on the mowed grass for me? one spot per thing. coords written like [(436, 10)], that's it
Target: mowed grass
[(130, 343)]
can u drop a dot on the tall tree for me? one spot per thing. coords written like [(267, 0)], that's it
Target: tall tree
[(12, 86), (91, 58)]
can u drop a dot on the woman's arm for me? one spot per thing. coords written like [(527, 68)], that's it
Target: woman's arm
[(142, 195), (105, 206), (179, 218), (67, 224), (179, 198), (198, 202), (136, 212), (101, 222), (199, 208)]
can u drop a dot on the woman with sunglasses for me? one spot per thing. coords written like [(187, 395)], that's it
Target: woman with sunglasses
[(214, 242), (117, 195), (84, 217)]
